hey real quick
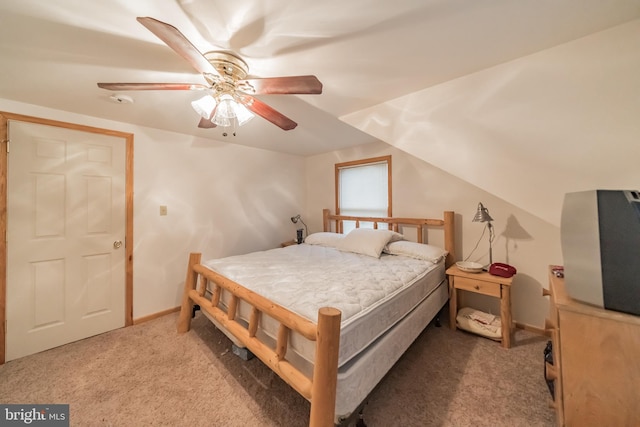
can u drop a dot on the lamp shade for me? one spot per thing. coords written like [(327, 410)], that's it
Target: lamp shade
[(243, 115), (222, 110), (204, 106), (225, 111), (482, 214), (229, 109)]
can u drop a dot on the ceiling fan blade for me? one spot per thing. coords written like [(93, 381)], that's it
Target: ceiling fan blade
[(282, 85), (206, 124), (267, 113), (152, 86), (179, 43)]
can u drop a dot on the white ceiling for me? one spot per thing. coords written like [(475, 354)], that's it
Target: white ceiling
[(365, 52)]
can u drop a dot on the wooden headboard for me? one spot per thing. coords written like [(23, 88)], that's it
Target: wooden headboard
[(447, 223)]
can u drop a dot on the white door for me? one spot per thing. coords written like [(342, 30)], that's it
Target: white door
[(65, 221)]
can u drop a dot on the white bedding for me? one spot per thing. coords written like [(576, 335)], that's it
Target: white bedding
[(304, 278)]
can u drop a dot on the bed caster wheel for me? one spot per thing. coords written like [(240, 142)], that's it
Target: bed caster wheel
[(437, 323)]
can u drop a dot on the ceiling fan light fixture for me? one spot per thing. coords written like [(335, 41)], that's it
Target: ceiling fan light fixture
[(223, 110), (204, 106), (220, 120), (226, 107), (243, 115)]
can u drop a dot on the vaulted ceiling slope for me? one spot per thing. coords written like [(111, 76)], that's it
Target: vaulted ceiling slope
[(530, 130), (365, 52)]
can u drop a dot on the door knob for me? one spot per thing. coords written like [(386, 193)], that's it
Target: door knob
[(117, 244)]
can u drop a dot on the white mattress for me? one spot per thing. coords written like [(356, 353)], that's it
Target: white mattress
[(372, 294)]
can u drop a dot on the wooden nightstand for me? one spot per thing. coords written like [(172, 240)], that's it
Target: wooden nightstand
[(486, 284)]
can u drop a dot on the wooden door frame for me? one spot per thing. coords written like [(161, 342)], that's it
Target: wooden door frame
[(4, 139)]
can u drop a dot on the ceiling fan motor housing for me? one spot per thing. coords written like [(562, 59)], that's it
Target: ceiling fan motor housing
[(228, 65)]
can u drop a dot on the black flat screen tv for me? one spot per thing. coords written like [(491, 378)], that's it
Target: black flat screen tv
[(600, 237)]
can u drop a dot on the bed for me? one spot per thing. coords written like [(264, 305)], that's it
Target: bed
[(330, 316)]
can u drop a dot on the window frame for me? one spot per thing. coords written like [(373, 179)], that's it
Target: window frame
[(364, 162)]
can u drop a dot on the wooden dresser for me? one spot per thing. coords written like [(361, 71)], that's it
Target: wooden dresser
[(596, 355)]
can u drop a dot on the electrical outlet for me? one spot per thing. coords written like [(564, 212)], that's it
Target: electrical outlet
[(163, 210)]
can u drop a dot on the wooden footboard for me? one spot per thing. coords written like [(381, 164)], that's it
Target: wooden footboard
[(319, 390)]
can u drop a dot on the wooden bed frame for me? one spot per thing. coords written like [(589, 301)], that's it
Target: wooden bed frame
[(320, 390)]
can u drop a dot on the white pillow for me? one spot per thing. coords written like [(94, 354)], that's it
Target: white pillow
[(416, 250), (324, 239), (368, 241)]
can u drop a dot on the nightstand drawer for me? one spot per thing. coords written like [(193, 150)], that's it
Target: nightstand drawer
[(478, 286)]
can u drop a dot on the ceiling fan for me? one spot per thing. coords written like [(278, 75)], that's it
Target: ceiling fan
[(229, 91)]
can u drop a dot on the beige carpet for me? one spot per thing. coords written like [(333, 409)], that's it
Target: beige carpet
[(148, 375)]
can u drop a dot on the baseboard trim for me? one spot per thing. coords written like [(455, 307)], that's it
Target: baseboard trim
[(155, 315)]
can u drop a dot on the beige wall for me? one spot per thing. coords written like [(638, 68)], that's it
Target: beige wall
[(222, 199), (422, 190)]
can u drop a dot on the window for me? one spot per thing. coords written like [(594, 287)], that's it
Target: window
[(363, 188)]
